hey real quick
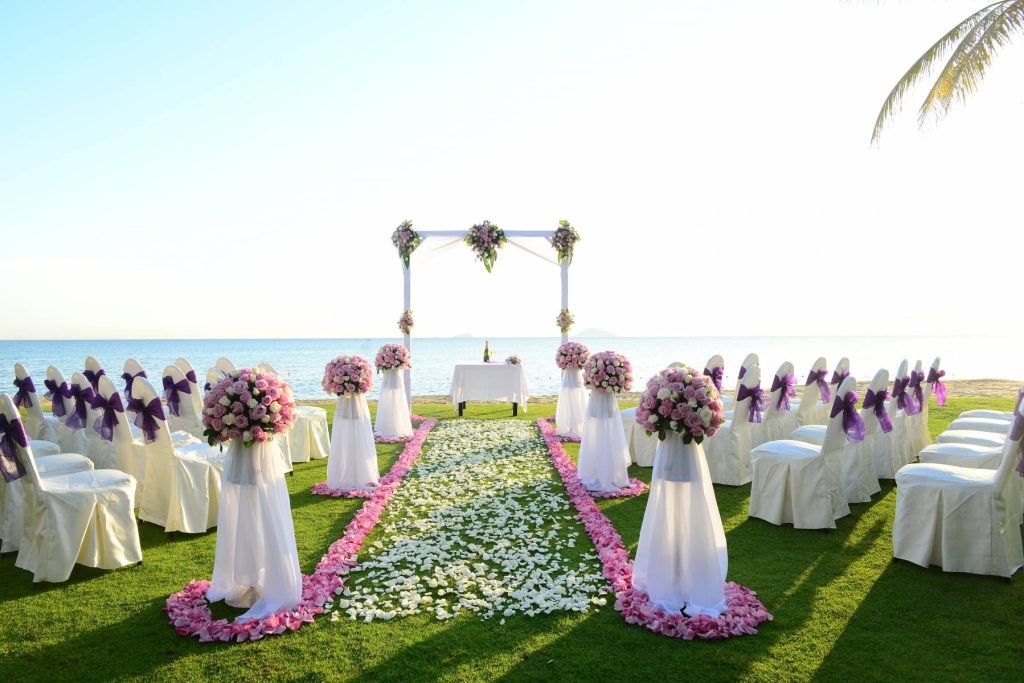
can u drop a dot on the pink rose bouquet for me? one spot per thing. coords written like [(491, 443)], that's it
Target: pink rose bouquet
[(405, 322), (405, 240), (513, 360), (608, 371), (393, 357), (485, 239), (681, 400), (571, 355), (565, 320), (248, 404), (564, 239), (347, 375)]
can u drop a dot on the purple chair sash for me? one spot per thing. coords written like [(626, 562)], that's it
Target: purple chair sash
[(129, 380), (1020, 398), (105, 423), (877, 401), (83, 398), (786, 384), (938, 386), (11, 433), (57, 394), (853, 425), (743, 371), (1016, 432), (94, 377), (23, 397), (757, 401), (191, 377), (173, 391), (818, 377), (146, 416), (904, 400), (838, 377), (716, 375), (917, 389)]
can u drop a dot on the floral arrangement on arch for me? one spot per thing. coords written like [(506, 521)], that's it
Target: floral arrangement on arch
[(563, 240), (565, 320), (681, 400), (405, 240), (248, 404), (572, 356), (513, 360), (347, 375), (393, 357), (485, 239), (608, 371), (405, 323)]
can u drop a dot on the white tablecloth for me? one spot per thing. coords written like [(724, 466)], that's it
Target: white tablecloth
[(489, 382)]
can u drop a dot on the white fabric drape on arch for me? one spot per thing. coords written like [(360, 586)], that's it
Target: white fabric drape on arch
[(393, 417), (353, 460), (572, 404), (604, 453), (682, 559), (257, 562)]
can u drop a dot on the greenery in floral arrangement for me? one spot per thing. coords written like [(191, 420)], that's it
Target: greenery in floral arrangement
[(405, 240), (565, 320), (485, 239), (405, 322), (564, 239)]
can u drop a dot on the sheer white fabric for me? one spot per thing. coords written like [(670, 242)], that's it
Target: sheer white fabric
[(489, 382), (682, 559), (572, 404), (353, 461), (728, 450), (393, 417), (604, 453), (257, 563)]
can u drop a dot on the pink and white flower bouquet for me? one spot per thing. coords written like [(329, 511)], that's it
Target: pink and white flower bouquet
[(681, 400), (513, 360), (564, 239), (248, 404), (405, 240), (565, 320), (485, 239), (393, 357), (405, 322), (572, 356), (608, 371), (347, 375)]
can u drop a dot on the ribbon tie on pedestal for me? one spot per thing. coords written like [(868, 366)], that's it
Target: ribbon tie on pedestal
[(94, 377), (105, 423), (877, 401), (173, 391), (146, 415), (938, 386), (11, 433), (853, 425), (716, 375), (23, 397), (786, 384), (818, 377), (757, 401), (57, 394), (129, 380), (83, 398)]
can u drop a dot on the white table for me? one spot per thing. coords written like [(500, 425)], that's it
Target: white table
[(489, 382)]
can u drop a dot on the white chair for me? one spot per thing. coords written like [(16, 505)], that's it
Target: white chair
[(962, 519), (895, 446), (193, 381), (182, 414), (990, 431), (81, 418), (182, 481), (308, 439), (132, 368), (213, 375), (798, 483), (816, 389), (779, 419), (715, 369), (840, 373), (39, 426), (728, 451), (981, 424), (225, 366), (998, 414), (93, 371), (58, 390), (750, 361), (84, 517), (917, 424)]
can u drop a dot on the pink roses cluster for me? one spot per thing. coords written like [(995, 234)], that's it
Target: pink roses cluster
[(608, 371), (248, 404), (681, 400), (393, 357), (571, 356), (347, 375), (485, 239), (513, 360), (564, 239)]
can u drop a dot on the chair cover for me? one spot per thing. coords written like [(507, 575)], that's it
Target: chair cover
[(225, 366), (308, 439), (682, 559), (728, 451), (963, 455), (642, 446), (256, 563), (807, 412), (38, 425), (979, 438), (131, 369), (129, 453), (604, 453), (12, 495), (353, 461), (93, 371), (181, 411), (840, 373), (70, 440), (571, 410), (779, 419), (919, 435), (393, 417), (981, 424), (88, 441), (193, 381), (892, 450)]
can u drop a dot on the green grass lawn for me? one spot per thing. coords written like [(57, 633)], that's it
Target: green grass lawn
[(843, 610)]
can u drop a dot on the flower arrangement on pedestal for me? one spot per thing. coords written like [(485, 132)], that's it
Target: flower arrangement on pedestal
[(405, 240), (681, 400), (608, 371), (248, 404), (571, 356), (485, 239), (393, 357), (564, 239), (513, 360), (405, 323), (347, 375), (565, 320)]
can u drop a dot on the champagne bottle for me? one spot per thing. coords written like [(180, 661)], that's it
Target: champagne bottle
[(487, 351)]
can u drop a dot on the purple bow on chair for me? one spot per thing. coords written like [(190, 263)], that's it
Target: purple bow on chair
[(106, 422), (743, 371), (916, 386), (818, 377), (173, 391), (838, 377), (57, 394), (94, 377), (853, 425), (904, 400), (191, 377), (23, 397), (716, 375), (83, 398), (129, 380), (757, 401), (146, 416), (1020, 397), (11, 433), (877, 401), (938, 386), (786, 384)]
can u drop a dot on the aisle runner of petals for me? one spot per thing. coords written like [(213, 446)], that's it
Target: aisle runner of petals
[(745, 610), (479, 527), (189, 613)]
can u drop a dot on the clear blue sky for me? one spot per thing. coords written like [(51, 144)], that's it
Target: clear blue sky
[(236, 168)]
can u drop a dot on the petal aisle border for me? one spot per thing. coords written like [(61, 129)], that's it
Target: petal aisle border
[(570, 439), (190, 614), (566, 467), (745, 610), (322, 489)]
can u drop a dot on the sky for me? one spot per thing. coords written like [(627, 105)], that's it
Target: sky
[(235, 169)]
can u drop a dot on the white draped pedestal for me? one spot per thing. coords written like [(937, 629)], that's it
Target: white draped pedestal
[(256, 563), (393, 418), (682, 560), (604, 453), (353, 461), (572, 404), (489, 382)]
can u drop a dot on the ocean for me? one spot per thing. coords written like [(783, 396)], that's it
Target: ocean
[(301, 361)]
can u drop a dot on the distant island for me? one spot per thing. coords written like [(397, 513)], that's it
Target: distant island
[(595, 332), (464, 335)]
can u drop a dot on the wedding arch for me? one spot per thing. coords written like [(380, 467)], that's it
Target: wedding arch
[(485, 239)]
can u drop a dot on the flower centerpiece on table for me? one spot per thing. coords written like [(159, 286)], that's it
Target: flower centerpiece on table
[(347, 375), (248, 404), (608, 371), (405, 323), (565, 320), (564, 239), (392, 357), (485, 239), (405, 240), (513, 360), (571, 356), (681, 400)]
